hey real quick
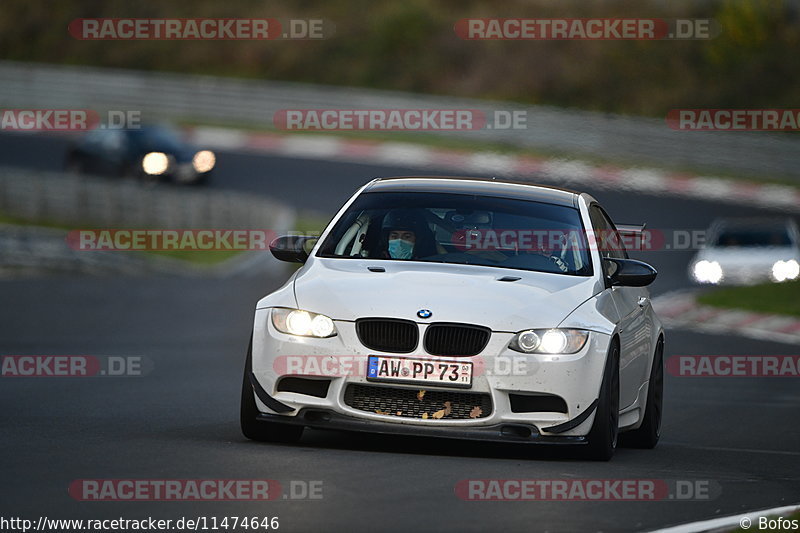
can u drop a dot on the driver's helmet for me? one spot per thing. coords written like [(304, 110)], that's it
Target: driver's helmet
[(405, 220)]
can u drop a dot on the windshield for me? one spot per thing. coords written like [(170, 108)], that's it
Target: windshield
[(747, 237), (461, 229)]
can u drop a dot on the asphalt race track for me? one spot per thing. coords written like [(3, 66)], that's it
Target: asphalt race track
[(180, 420)]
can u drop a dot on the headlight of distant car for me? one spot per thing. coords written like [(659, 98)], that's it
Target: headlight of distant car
[(785, 270), (302, 323), (707, 272), (155, 163), (549, 341), (204, 161)]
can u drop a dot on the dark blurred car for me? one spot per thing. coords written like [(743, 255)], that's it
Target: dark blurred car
[(151, 153)]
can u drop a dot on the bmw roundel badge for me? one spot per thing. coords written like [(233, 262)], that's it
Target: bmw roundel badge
[(424, 313)]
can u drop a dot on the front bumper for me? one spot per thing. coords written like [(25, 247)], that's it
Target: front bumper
[(327, 419), (185, 173), (575, 378)]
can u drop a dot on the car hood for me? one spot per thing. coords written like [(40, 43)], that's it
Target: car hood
[(345, 289), (182, 154)]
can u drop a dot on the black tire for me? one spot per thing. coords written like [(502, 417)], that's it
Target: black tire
[(605, 429), (128, 171), (255, 429), (202, 180), (146, 179), (74, 165), (647, 435)]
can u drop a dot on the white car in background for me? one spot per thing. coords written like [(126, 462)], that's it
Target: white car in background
[(746, 251), (394, 283)]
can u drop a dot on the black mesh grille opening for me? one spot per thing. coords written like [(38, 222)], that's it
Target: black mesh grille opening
[(387, 334), (537, 403), (309, 387), (456, 340), (406, 402)]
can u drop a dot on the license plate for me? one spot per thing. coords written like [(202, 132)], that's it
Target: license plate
[(419, 371)]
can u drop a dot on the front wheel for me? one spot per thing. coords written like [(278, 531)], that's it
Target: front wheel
[(605, 429), (255, 429)]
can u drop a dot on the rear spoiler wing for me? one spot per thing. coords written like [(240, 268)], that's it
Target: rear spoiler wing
[(634, 236), (631, 229)]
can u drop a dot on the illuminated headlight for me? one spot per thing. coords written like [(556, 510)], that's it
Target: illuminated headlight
[(155, 163), (785, 270), (707, 272), (302, 323), (204, 161), (549, 341)]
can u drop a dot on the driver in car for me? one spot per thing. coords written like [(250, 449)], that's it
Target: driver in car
[(401, 244), (405, 235)]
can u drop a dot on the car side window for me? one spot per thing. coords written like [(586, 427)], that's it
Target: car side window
[(618, 244), (607, 237)]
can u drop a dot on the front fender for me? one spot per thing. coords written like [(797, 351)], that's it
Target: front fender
[(282, 297), (598, 313)]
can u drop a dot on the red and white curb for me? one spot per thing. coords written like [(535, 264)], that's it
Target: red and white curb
[(565, 172), (727, 523), (680, 309)]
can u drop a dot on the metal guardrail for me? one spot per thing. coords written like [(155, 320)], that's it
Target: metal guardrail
[(253, 103)]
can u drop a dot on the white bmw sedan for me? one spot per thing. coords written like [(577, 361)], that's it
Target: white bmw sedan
[(461, 308)]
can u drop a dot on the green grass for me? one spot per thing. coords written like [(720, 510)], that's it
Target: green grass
[(40, 223), (311, 222), (198, 257), (307, 222), (778, 298)]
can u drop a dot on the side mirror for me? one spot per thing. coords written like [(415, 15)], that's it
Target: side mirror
[(292, 248), (629, 272)]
